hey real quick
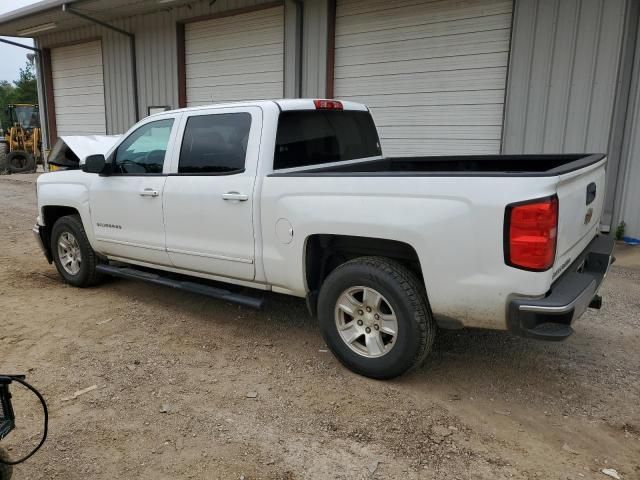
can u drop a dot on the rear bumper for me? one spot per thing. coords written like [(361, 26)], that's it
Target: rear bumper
[(40, 234), (550, 318)]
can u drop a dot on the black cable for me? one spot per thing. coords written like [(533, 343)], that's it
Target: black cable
[(46, 423)]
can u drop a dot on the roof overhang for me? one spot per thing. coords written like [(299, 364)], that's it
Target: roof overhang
[(47, 16)]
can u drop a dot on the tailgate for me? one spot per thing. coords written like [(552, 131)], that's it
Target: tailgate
[(581, 199)]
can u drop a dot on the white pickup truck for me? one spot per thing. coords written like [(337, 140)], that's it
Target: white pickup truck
[(295, 197)]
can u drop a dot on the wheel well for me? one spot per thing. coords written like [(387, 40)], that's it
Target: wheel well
[(326, 252), (50, 215)]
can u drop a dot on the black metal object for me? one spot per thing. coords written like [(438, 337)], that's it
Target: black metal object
[(188, 286), (7, 415)]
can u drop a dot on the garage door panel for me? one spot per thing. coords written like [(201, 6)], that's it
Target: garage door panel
[(88, 99), (431, 147), (433, 47), (473, 97), (206, 51), (263, 63), (237, 38), (441, 132), (459, 80), (75, 129), (72, 119), (78, 89), (71, 111), (212, 30), (471, 25), (480, 115), (423, 14), (245, 21), (67, 83), (235, 58), (254, 79), (354, 7), (76, 72), (461, 62), (231, 93), (432, 72), (65, 61), (70, 94)]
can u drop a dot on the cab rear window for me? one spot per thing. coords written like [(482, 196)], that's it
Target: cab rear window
[(316, 137)]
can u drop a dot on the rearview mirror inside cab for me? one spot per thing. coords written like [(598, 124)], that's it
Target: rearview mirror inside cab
[(95, 164)]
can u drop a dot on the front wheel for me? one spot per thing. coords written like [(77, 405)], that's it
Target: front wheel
[(73, 256), (375, 318)]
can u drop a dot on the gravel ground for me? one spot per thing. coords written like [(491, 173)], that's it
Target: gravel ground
[(189, 387)]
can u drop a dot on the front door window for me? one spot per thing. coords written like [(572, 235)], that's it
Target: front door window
[(144, 151)]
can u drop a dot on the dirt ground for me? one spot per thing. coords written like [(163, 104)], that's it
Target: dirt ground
[(174, 372)]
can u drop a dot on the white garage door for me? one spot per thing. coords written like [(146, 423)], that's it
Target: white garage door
[(235, 58), (433, 72), (78, 89)]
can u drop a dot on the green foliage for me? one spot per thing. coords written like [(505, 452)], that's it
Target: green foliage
[(620, 230), (23, 90)]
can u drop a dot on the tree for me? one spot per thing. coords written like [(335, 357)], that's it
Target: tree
[(26, 87)]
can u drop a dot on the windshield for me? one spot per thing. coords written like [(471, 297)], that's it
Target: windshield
[(316, 137), (27, 116)]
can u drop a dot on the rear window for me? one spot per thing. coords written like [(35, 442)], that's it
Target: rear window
[(315, 137)]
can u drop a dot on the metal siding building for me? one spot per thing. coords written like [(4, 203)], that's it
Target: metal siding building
[(441, 76), (566, 72)]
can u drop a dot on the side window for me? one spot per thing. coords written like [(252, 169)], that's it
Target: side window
[(144, 150), (215, 143)]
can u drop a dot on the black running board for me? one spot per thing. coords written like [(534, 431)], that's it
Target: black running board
[(187, 286)]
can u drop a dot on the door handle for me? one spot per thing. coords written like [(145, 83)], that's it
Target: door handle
[(240, 197), (149, 192)]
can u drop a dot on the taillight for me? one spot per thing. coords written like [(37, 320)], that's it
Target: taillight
[(327, 105), (531, 231)]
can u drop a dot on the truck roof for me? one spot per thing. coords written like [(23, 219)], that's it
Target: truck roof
[(284, 104)]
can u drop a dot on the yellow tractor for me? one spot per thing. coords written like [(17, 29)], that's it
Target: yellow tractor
[(21, 148)]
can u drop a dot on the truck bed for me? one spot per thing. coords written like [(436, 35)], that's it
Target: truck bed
[(471, 165)]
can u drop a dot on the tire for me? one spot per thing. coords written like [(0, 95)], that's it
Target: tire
[(6, 471), (403, 297), (3, 158), (70, 231), (20, 161)]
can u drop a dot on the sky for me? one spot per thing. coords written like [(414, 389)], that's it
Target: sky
[(12, 58)]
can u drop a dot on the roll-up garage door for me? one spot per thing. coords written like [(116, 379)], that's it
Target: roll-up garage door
[(78, 89), (433, 72), (240, 57)]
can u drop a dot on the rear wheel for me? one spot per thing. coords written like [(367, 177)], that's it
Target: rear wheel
[(72, 253), (20, 161), (375, 318)]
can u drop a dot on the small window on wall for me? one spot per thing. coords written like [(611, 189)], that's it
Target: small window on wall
[(215, 143), (157, 109)]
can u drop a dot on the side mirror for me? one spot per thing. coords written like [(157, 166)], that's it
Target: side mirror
[(95, 164)]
